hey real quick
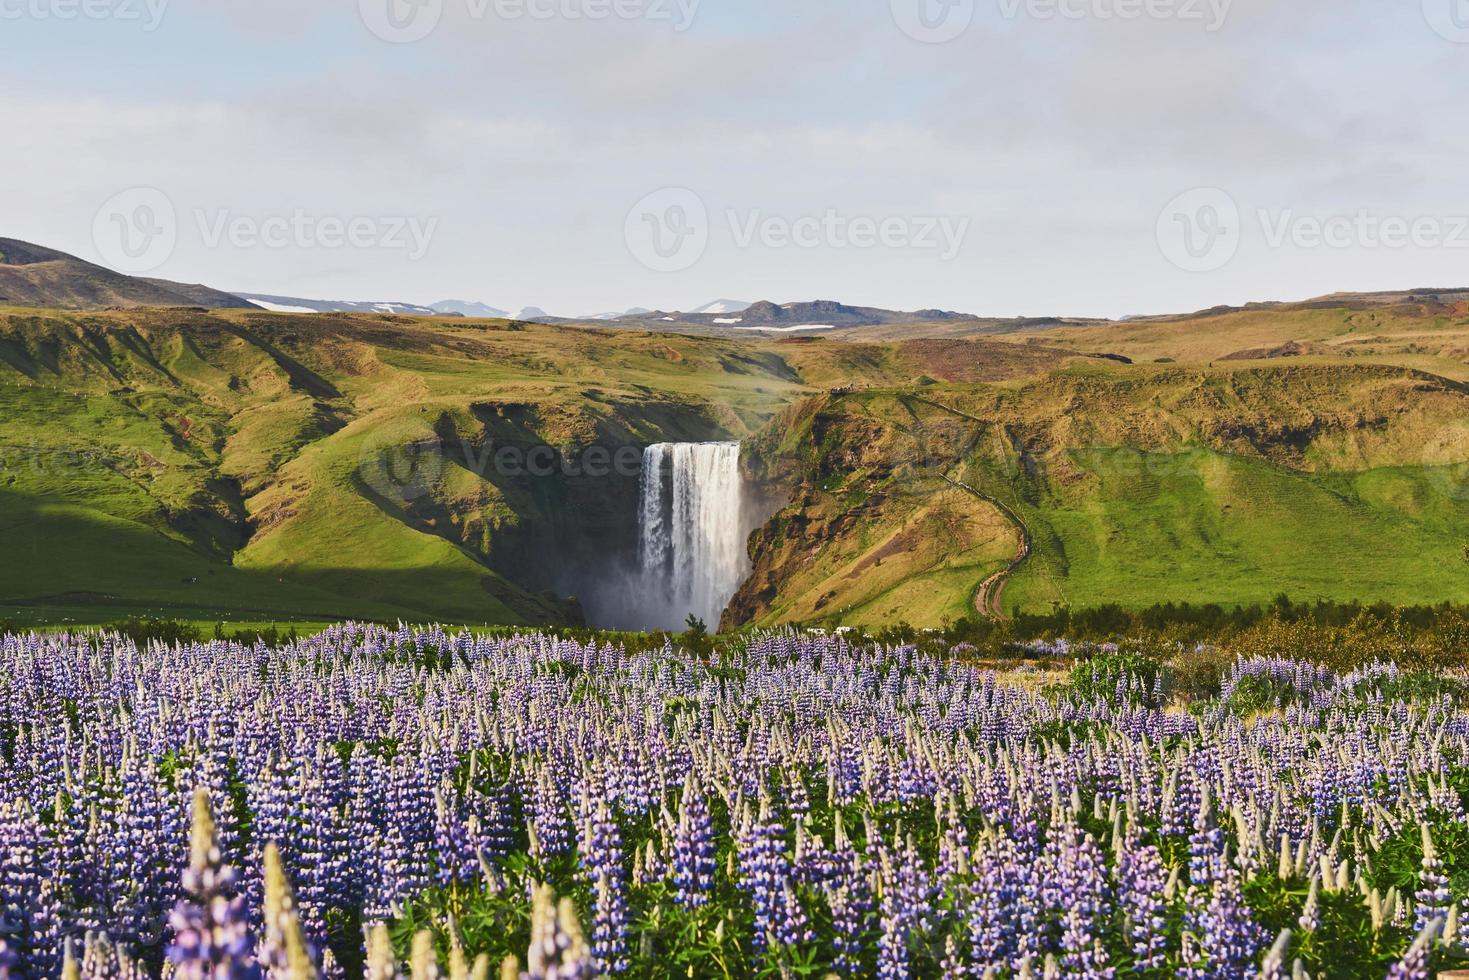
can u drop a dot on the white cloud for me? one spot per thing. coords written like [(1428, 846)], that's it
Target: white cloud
[(530, 140)]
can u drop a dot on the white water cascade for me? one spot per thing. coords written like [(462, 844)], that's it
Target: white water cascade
[(692, 530)]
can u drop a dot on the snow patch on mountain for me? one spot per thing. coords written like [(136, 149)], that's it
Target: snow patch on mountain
[(723, 306), (266, 304)]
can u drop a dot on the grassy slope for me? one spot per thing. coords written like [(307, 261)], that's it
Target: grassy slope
[(146, 449), (1143, 484), (1207, 527), (1245, 481), (211, 465), (1429, 339)]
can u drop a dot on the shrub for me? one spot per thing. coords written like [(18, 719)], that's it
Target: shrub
[(1136, 677), (145, 631)]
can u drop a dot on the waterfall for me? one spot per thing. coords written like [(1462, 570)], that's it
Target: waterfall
[(691, 527)]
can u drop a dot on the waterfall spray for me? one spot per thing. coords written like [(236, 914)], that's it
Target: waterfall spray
[(691, 530)]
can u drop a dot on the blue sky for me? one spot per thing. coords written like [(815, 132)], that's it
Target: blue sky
[(525, 146)]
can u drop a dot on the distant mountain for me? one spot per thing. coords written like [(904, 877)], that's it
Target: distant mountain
[(723, 306), (198, 294), (532, 313), (788, 318), (479, 311), (619, 314), (32, 275), (295, 304)]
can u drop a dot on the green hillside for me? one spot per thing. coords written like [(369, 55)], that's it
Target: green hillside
[(1204, 526), (250, 466), (1134, 485)]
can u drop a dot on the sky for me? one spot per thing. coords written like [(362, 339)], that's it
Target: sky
[(999, 157)]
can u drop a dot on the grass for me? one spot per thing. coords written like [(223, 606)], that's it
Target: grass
[(212, 465), (914, 558), (1136, 529), (219, 465), (1146, 484)]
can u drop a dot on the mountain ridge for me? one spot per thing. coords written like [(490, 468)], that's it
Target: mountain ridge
[(33, 275)]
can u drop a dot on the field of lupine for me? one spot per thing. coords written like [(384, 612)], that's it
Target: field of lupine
[(374, 803)]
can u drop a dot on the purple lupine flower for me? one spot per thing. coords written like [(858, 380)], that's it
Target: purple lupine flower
[(271, 798), (1141, 880), (848, 896), (28, 903), (557, 949), (491, 823), (548, 815), (907, 891), (212, 939), (1273, 966), (457, 858), (767, 875), (1434, 896), (145, 838), (1206, 844), (1414, 964), (1078, 891), (994, 894), (1229, 940), (601, 855), (366, 819), (693, 850), (408, 840)]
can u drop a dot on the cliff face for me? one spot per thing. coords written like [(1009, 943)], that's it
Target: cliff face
[(341, 466), (1136, 487), (871, 531), (549, 498)]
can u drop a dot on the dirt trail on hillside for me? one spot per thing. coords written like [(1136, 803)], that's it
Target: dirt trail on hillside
[(988, 597)]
